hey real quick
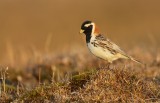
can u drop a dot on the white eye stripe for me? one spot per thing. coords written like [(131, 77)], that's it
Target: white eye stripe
[(87, 25)]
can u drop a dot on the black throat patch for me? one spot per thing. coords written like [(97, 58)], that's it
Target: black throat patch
[(88, 37)]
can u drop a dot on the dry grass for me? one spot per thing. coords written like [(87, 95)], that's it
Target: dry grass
[(75, 78), (102, 86), (118, 85)]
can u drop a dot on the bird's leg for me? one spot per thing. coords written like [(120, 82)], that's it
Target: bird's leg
[(104, 67), (108, 65), (101, 66)]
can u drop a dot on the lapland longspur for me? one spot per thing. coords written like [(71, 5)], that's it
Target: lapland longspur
[(101, 46)]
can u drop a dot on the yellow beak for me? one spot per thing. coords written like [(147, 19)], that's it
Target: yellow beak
[(81, 31)]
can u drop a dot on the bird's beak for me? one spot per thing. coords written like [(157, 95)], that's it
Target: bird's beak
[(81, 31)]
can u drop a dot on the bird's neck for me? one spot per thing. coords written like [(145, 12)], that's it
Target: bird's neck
[(88, 37), (94, 32)]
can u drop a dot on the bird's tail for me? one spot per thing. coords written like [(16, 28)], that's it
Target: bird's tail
[(137, 61), (131, 58)]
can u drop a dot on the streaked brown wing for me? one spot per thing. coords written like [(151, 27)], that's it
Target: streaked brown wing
[(107, 44)]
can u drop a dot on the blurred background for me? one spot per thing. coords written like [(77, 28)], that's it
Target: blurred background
[(49, 26), (40, 44)]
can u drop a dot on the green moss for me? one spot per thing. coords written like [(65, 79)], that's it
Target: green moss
[(78, 81)]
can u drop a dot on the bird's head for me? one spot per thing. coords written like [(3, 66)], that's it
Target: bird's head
[(89, 28)]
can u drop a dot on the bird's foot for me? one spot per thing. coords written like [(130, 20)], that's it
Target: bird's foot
[(106, 66)]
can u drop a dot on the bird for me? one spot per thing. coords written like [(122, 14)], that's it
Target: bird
[(101, 46)]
